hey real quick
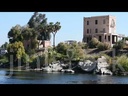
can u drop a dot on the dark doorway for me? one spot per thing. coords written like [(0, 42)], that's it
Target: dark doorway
[(87, 39), (113, 39), (108, 38), (100, 38)]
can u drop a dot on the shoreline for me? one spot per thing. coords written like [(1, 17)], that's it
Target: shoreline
[(33, 70)]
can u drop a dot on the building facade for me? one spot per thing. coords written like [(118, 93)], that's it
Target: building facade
[(101, 27), (41, 44)]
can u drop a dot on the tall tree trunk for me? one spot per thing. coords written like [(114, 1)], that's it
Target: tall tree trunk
[(54, 34)]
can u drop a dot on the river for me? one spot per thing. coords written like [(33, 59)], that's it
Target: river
[(29, 77)]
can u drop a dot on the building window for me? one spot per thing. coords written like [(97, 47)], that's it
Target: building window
[(104, 21), (90, 30), (87, 30), (96, 30), (87, 22), (108, 38), (105, 36), (103, 30), (96, 21)]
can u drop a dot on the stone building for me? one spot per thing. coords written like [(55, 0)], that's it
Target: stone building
[(101, 27)]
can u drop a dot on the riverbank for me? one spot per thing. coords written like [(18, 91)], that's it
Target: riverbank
[(91, 56)]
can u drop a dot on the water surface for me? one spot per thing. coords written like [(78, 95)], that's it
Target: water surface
[(23, 77)]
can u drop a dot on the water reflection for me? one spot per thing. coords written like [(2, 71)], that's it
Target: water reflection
[(23, 75)]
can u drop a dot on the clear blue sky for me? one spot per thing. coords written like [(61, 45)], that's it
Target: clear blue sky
[(71, 22)]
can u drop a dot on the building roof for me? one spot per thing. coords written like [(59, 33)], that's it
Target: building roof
[(99, 16)]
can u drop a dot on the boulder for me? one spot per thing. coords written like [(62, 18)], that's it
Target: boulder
[(102, 66), (54, 67), (87, 65)]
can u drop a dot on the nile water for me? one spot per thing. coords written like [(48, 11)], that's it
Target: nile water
[(23, 77)]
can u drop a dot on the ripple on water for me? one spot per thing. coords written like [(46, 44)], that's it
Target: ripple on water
[(58, 78)]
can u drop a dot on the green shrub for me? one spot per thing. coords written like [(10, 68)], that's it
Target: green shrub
[(83, 45), (100, 46), (30, 51), (91, 56), (93, 43), (123, 61), (103, 46), (25, 58), (119, 45), (3, 59)]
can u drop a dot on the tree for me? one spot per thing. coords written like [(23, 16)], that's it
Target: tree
[(36, 20), (62, 48), (5, 45), (44, 32), (39, 23), (16, 50), (53, 29), (30, 35), (15, 34)]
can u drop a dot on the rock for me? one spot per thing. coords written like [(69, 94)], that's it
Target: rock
[(47, 69), (68, 71), (126, 42), (102, 66), (105, 71), (54, 67), (87, 66)]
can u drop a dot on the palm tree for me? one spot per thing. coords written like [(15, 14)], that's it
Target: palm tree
[(53, 29)]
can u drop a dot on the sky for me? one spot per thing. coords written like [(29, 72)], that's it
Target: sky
[(71, 23)]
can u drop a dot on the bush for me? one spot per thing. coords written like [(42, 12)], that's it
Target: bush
[(103, 46), (30, 51), (3, 59), (83, 45), (25, 58), (91, 57), (123, 61), (93, 43), (119, 45)]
